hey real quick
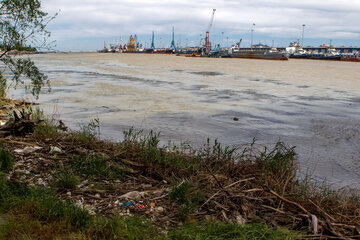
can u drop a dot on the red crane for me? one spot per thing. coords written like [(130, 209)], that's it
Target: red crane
[(207, 38)]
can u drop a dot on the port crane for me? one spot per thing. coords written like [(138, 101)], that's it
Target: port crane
[(207, 38)]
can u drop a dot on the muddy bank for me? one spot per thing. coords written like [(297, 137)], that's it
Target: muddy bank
[(176, 184), (303, 103)]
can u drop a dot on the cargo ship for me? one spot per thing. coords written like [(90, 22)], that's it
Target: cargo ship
[(258, 54)]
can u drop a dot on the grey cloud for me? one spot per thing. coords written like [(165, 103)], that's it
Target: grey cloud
[(93, 18)]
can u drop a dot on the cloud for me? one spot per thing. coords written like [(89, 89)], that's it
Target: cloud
[(105, 19)]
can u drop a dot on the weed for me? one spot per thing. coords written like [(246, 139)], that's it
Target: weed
[(97, 167), (35, 209), (46, 130), (278, 165), (123, 228), (6, 160), (187, 196), (216, 151), (89, 132), (220, 230), (37, 114), (66, 181)]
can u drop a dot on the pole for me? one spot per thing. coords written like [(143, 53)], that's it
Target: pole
[(302, 37), (252, 33)]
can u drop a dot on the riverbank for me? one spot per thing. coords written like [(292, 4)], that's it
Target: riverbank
[(66, 184)]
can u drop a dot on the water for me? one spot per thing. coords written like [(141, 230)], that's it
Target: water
[(313, 105)]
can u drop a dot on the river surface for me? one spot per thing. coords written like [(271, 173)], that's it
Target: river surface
[(313, 105)]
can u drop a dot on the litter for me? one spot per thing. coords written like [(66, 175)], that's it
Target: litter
[(127, 204), (27, 150), (55, 149)]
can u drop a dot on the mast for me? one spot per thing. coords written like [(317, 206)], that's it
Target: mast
[(152, 41), (173, 40)]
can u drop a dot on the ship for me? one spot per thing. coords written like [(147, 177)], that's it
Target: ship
[(257, 54), (350, 57), (258, 51), (325, 56), (296, 51)]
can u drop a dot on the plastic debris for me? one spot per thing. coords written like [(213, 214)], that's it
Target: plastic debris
[(27, 150), (147, 212), (55, 149), (141, 206), (127, 204), (159, 209), (152, 204), (134, 195)]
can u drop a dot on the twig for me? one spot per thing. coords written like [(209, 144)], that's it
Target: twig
[(210, 199), (240, 181), (221, 206), (16, 142), (159, 197), (275, 209), (288, 201), (218, 182), (343, 225), (254, 190), (332, 219)]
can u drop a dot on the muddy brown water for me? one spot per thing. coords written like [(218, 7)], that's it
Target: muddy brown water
[(313, 105)]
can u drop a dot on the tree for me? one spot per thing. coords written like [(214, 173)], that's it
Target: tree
[(22, 23)]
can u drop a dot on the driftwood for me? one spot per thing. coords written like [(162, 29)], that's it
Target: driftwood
[(18, 125)]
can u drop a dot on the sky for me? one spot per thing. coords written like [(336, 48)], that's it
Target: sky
[(83, 25)]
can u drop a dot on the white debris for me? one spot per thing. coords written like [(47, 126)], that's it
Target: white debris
[(134, 195), (27, 150), (55, 149), (159, 209), (90, 209), (240, 220), (40, 182)]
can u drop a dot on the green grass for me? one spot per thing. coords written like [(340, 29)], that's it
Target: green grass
[(46, 130), (220, 230), (97, 167), (6, 160), (187, 196), (123, 228), (88, 132), (66, 181), (36, 213)]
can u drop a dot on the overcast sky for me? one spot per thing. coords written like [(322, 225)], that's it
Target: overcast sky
[(86, 24)]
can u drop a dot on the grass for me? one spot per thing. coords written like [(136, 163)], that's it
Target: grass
[(223, 231), (46, 130), (66, 181), (36, 213), (6, 160), (97, 167), (187, 196)]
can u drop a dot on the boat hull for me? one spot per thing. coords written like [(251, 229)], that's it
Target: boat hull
[(350, 59), (324, 57), (260, 55)]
